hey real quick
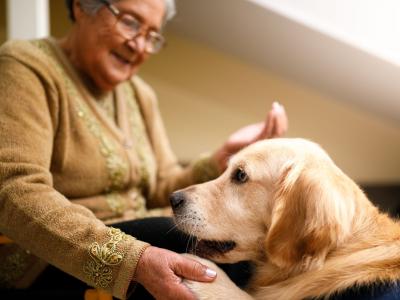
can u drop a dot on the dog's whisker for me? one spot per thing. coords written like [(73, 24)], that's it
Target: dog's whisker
[(176, 225), (189, 245)]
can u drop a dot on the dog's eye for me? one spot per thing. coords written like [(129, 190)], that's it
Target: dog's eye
[(240, 176)]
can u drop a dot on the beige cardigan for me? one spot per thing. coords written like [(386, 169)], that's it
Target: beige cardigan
[(66, 169)]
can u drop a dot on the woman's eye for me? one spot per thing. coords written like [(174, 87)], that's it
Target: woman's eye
[(240, 176), (130, 23)]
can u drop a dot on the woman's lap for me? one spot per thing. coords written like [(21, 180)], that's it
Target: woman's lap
[(161, 232), (158, 231)]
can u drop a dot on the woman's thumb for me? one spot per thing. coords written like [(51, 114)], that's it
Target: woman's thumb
[(193, 270)]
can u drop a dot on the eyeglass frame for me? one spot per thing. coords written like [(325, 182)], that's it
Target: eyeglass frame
[(158, 37)]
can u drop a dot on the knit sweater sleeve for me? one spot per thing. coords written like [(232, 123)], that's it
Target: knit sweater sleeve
[(32, 212)]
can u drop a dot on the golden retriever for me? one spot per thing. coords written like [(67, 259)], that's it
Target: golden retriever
[(285, 205)]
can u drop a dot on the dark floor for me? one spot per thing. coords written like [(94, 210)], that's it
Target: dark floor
[(386, 197)]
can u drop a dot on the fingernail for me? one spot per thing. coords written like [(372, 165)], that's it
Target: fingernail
[(211, 273), (277, 106)]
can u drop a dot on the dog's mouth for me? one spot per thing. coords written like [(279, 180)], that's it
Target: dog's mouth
[(208, 248)]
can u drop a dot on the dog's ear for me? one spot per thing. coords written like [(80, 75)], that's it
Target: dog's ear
[(309, 218)]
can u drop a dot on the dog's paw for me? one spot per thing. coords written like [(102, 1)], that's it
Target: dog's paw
[(221, 288), (202, 290)]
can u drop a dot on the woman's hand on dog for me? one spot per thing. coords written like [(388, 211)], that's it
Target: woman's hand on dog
[(275, 125), (161, 272)]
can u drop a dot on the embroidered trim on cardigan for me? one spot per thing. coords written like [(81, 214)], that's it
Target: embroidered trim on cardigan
[(142, 143), (116, 166), (103, 257), (116, 203)]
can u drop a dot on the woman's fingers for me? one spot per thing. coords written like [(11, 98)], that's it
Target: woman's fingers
[(277, 121), (282, 121), (269, 126), (193, 270), (161, 272)]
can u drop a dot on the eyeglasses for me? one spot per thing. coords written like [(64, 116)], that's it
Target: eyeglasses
[(130, 27)]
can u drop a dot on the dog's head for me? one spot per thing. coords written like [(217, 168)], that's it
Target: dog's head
[(280, 200)]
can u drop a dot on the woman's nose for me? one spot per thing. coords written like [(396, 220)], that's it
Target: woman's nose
[(138, 44)]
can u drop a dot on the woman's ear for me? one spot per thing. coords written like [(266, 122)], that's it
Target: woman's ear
[(306, 222), (77, 10)]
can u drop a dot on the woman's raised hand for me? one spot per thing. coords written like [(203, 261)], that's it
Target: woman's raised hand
[(275, 125)]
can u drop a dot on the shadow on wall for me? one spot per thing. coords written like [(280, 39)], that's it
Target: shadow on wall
[(2, 21), (59, 21)]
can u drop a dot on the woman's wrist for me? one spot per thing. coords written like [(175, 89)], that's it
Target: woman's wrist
[(221, 159), (141, 264)]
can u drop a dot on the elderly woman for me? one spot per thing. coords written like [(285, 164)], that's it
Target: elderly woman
[(83, 148)]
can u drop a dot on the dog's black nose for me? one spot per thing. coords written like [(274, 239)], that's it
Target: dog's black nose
[(177, 200)]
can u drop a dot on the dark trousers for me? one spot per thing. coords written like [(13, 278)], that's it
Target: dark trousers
[(159, 232)]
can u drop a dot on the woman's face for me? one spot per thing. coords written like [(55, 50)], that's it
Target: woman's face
[(103, 54)]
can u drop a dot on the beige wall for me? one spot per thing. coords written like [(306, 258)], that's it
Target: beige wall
[(2, 21), (205, 95), (59, 22)]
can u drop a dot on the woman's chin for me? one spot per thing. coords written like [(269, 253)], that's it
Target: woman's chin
[(122, 74), (120, 69), (110, 81)]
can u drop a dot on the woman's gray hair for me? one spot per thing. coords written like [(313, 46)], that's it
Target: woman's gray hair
[(92, 6)]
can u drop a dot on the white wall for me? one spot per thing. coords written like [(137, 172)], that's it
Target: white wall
[(27, 19), (373, 25)]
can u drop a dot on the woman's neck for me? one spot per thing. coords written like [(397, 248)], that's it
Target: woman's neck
[(68, 46)]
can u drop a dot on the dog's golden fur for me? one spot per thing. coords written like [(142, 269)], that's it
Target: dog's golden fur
[(308, 227)]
